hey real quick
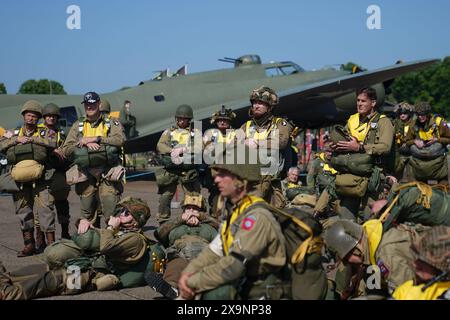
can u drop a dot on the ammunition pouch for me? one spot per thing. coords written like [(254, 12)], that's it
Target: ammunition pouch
[(349, 185), (74, 175), (27, 171), (106, 156), (436, 169), (115, 174), (27, 151), (432, 152), (7, 183), (360, 164)]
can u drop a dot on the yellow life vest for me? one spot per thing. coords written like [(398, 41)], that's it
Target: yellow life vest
[(229, 137), (182, 137), (358, 130), (86, 129), (225, 232), (408, 291), (326, 166), (252, 132), (36, 133), (374, 232), (291, 185), (430, 134)]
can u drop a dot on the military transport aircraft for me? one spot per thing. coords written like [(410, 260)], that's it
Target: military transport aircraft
[(309, 98)]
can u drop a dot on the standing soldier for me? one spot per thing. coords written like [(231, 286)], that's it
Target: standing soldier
[(428, 139), (216, 140), (26, 150), (266, 131), (370, 139), (105, 108), (59, 189), (178, 145), (402, 124), (94, 144)]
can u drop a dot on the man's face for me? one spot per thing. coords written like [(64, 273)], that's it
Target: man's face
[(259, 109), (424, 272), (225, 182), (50, 120), (422, 117), (223, 124), (404, 116), (127, 105), (31, 118), (126, 219), (293, 176), (92, 109), (183, 123), (365, 105)]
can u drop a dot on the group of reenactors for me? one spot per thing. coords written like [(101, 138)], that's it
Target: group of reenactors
[(352, 232)]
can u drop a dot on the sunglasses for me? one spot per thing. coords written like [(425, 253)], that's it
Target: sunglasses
[(125, 213)]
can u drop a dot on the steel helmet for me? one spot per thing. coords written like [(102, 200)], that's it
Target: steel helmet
[(343, 236)]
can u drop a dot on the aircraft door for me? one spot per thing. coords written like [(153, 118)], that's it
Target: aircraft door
[(68, 117)]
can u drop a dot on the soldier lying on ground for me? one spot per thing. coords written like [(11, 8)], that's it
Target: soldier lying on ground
[(97, 259), (184, 237), (376, 262), (432, 268), (415, 202)]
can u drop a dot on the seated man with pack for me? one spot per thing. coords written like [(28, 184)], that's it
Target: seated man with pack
[(27, 150), (94, 145), (184, 237), (96, 259), (428, 140), (251, 258), (362, 155)]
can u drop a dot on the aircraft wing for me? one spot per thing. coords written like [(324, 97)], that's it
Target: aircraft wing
[(358, 80)]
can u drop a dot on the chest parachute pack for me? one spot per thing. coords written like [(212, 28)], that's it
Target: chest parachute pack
[(105, 156)]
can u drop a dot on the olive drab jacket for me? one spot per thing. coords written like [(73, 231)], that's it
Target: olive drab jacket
[(272, 133), (109, 130), (178, 137), (250, 244), (376, 133), (401, 130), (38, 137), (418, 203), (436, 127)]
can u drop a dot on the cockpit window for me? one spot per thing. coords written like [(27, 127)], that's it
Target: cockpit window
[(283, 70), (274, 72)]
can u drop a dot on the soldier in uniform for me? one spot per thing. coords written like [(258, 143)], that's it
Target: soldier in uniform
[(247, 256), (27, 149), (94, 143), (296, 194), (105, 108), (371, 133), (178, 145), (432, 268), (266, 131), (414, 202), (184, 237), (124, 254), (59, 189), (402, 124), (128, 121), (377, 261), (428, 138), (217, 138)]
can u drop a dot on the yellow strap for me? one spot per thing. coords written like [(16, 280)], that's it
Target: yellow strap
[(100, 131), (226, 235), (263, 135), (374, 232), (357, 130), (308, 245), (434, 129), (36, 132), (181, 136)]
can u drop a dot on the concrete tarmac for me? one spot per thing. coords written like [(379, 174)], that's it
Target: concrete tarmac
[(11, 239)]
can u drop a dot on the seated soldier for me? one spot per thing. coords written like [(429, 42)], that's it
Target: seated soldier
[(414, 202), (375, 262), (123, 254), (184, 237), (432, 268)]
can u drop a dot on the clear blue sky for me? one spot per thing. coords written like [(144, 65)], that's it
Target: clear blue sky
[(122, 42)]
